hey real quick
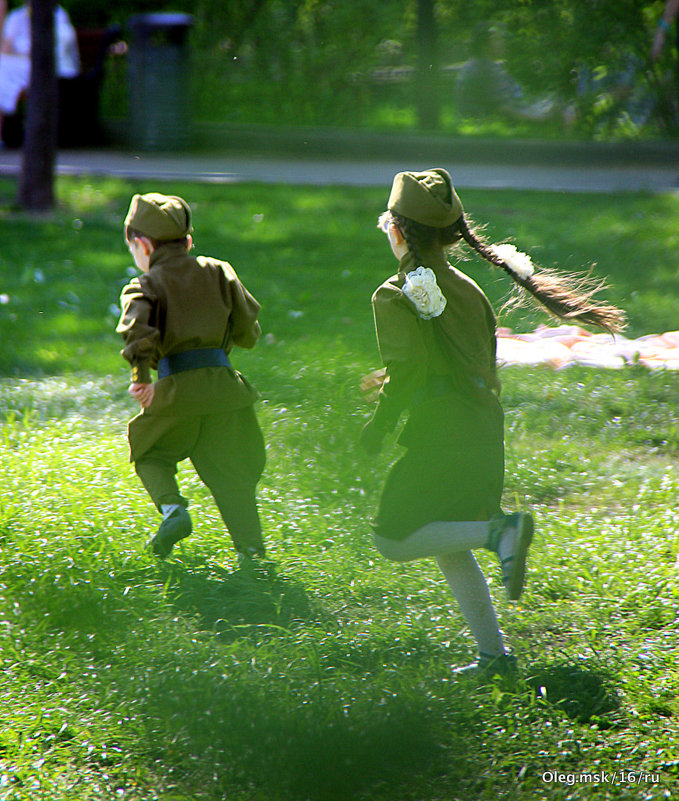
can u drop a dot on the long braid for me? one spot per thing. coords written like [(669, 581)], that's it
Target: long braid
[(568, 297), (571, 298), (418, 238)]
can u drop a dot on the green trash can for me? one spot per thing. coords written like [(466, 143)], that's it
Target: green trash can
[(159, 79)]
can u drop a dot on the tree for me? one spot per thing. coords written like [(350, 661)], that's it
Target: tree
[(36, 184), (427, 76)]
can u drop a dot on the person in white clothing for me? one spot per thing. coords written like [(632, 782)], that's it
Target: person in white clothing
[(15, 54)]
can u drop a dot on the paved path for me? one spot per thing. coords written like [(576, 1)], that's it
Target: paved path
[(229, 168)]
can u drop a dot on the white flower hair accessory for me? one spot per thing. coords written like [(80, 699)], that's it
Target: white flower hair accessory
[(421, 288), (517, 261)]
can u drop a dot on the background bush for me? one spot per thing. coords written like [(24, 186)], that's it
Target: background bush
[(335, 63)]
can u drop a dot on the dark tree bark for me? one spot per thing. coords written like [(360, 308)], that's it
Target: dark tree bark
[(427, 80), (36, 184)]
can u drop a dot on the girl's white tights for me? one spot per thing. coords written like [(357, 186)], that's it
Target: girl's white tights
[(451, 543), (436, 539), (469, 587)]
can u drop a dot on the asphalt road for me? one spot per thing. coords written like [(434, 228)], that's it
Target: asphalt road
[(230, 168)]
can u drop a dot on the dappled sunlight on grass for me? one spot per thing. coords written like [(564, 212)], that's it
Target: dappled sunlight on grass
[(277, 680), (325, 674), (312, 256)]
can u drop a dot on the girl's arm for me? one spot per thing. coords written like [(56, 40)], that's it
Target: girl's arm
[(403, 352)]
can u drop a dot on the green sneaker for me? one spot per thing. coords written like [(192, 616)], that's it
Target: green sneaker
[(176, 526), (519, 527), (510, 538)]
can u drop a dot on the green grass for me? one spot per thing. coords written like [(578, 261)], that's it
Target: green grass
[(327, 677)]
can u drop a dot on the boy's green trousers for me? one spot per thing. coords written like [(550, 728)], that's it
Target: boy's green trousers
[(227, 451)]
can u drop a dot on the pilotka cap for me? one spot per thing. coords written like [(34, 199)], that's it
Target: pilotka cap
[(426, 197), (161, 217)]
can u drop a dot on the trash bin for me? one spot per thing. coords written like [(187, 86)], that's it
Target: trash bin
[(159, 81)]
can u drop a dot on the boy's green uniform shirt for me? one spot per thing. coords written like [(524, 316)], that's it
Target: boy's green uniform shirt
[(183, 303)]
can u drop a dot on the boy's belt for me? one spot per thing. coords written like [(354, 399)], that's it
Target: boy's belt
[(192, 360)]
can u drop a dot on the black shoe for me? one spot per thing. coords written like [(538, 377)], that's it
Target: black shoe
[(176, 526), (487, 667)]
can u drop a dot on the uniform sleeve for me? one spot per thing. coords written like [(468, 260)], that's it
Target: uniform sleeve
[(245, 329), (140, 335), (403, 352)]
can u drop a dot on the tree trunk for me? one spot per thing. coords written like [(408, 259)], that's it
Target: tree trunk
[(36, 185), (427, 98)]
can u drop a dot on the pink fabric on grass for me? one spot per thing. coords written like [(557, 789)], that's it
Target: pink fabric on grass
[(566, 345)]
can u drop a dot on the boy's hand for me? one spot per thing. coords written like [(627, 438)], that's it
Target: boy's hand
[(142, 393)]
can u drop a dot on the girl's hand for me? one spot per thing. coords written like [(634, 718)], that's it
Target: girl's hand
[(372, 383), (371, 439), (143, 393)]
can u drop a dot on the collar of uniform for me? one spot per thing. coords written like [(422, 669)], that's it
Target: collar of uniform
[(435, 259), (163, 253)]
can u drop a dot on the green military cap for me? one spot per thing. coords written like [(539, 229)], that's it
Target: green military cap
[(162, 217), (427, 197)]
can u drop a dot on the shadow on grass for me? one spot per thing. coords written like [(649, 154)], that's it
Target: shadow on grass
[(272, 713), (290, 743), (256, 709), (226, 602), (585, 693)]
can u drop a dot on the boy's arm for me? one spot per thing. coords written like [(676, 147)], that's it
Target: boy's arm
[(139, 335), (245, 329)]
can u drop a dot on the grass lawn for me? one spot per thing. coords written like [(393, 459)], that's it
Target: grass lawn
[(328, 677)]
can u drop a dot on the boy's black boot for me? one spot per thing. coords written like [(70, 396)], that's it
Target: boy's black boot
[(176, 526)]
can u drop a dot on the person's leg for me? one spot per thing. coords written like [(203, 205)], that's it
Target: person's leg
[(509, 536), (159, 477), (451, 543), (435, 539), (469, 587), (157, 470), (229, 457)]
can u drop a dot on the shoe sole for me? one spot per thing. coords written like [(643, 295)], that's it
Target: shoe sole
[(486, 673), (518, 574)]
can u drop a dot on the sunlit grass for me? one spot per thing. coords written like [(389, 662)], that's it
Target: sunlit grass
[(326, 677), (130, 676), (297, 246)]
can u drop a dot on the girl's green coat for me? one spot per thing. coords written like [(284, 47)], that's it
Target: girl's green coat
[(442, 371), (459, 346)]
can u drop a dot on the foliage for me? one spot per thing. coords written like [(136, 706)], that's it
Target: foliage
[(260, 60), (325, 675), (595, 55), (98, 13)]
